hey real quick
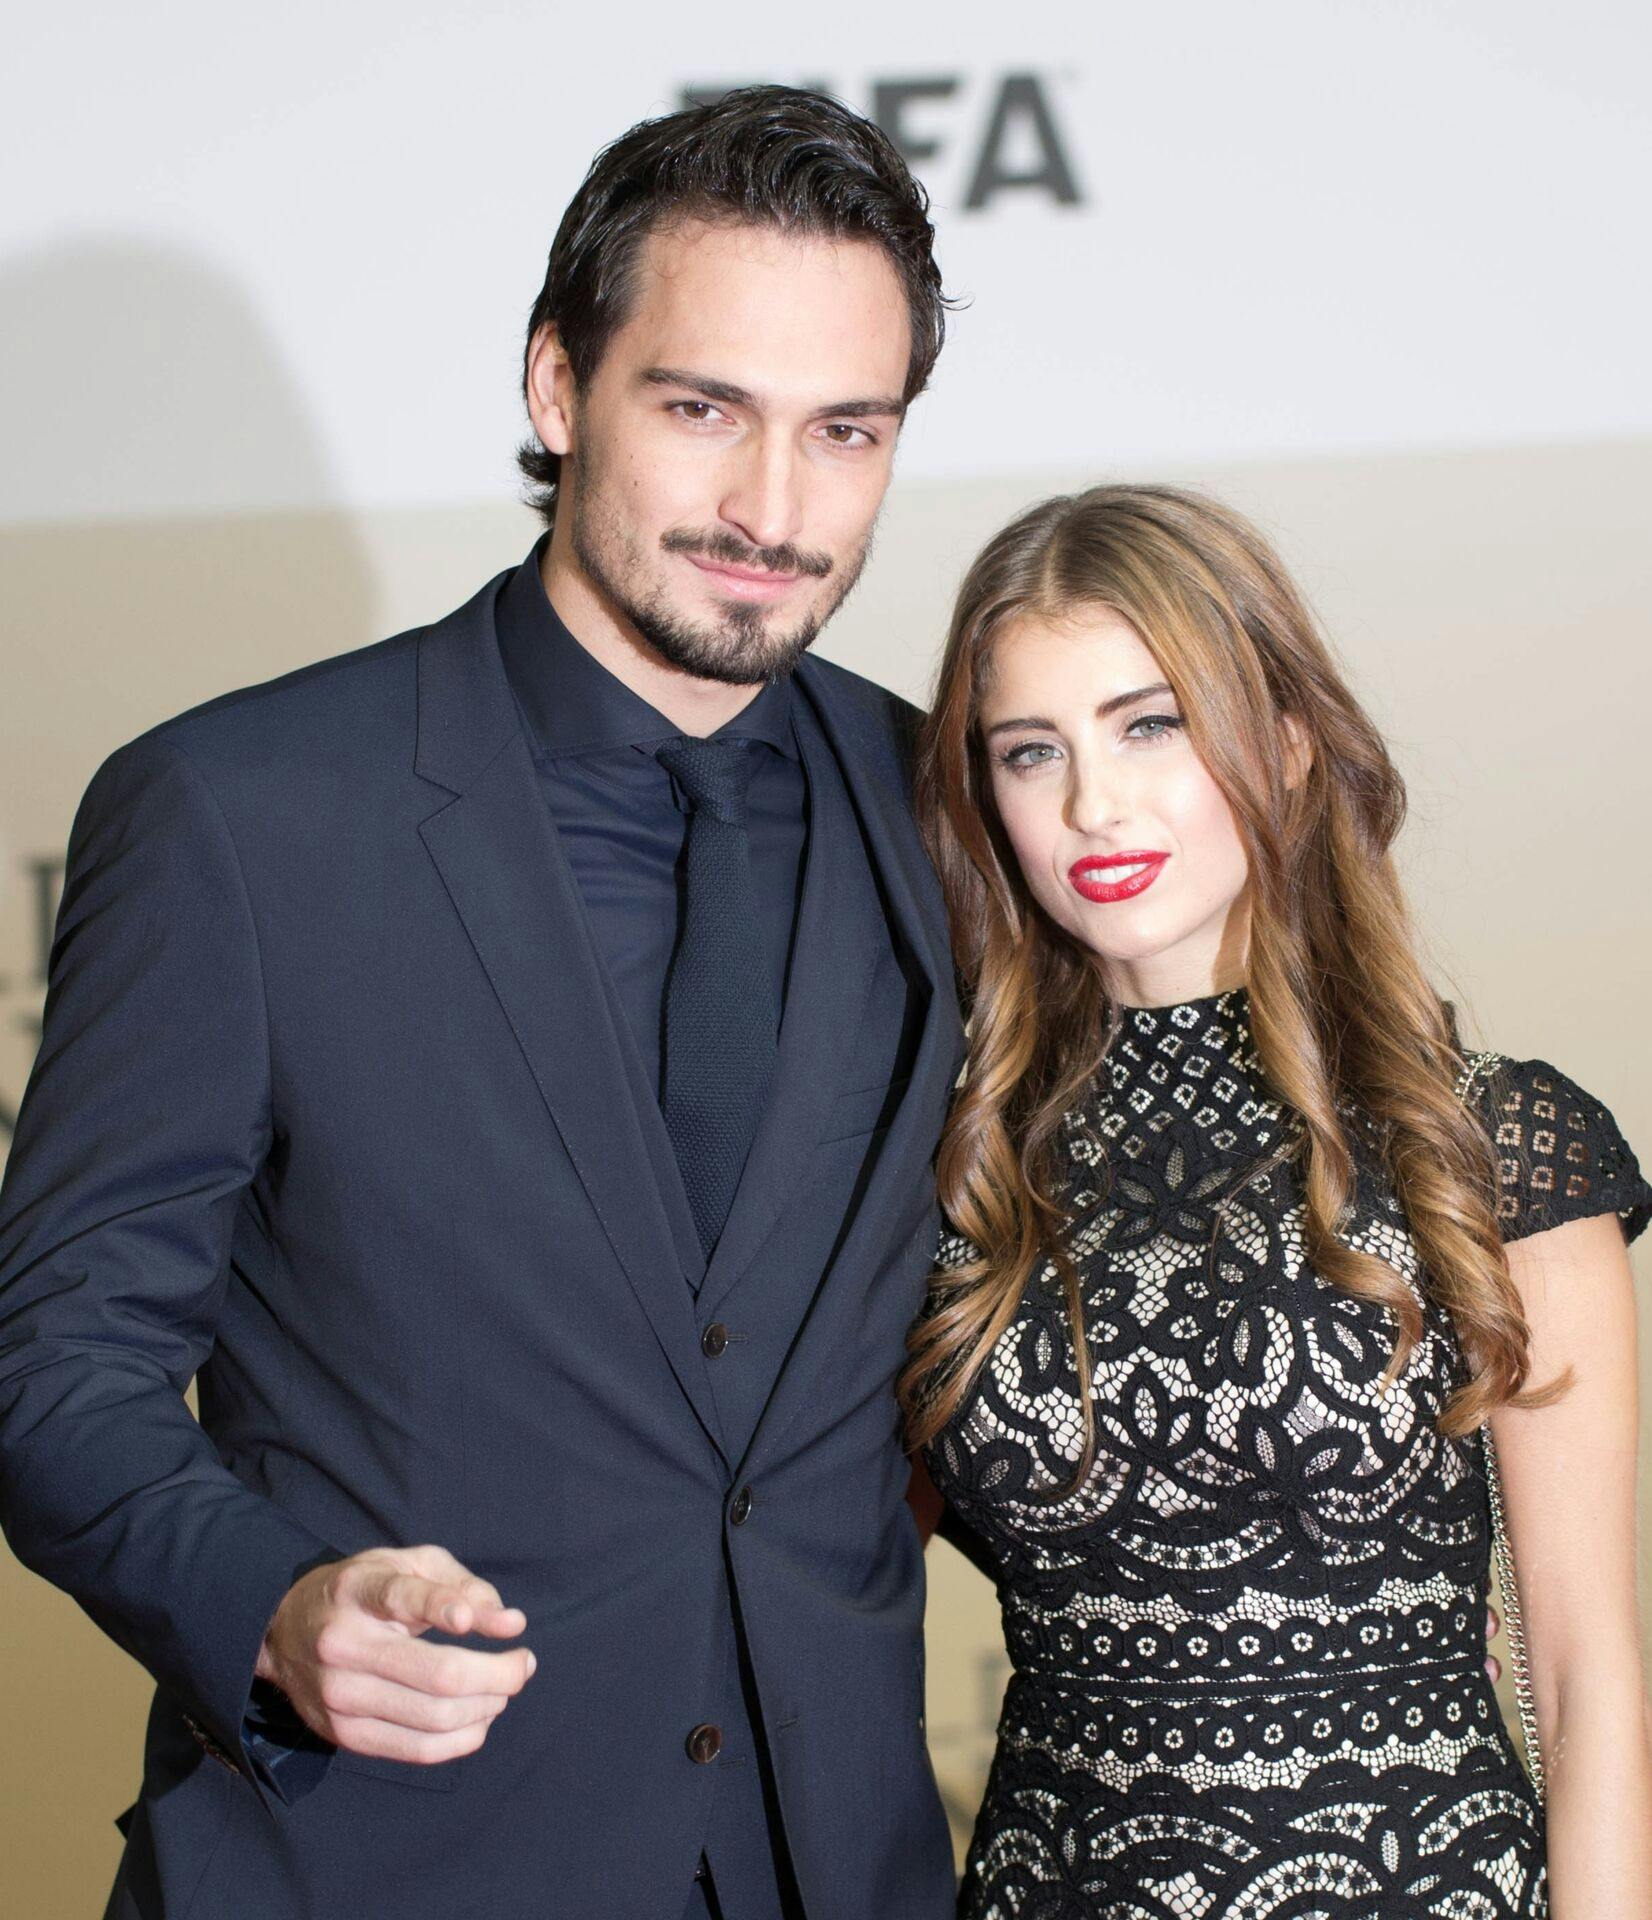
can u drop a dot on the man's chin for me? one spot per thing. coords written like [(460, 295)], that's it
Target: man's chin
[(734, 665), (735, 644)]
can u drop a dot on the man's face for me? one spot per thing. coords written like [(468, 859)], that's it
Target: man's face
[(727, 460)]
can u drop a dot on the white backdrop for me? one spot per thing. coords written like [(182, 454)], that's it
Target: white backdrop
[(1303, 226)]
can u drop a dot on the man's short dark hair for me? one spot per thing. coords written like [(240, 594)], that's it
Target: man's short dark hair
[(776, 157)]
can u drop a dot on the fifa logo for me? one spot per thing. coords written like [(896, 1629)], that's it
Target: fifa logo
[(1007, 135)]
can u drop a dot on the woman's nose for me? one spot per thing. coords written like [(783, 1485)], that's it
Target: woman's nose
[(1096, 805)]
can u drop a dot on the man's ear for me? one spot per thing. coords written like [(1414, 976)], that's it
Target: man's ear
[(550, 391), (1299, 751)]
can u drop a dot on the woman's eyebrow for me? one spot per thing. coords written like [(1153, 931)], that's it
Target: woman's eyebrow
[(1034, 721), (1120, 700)]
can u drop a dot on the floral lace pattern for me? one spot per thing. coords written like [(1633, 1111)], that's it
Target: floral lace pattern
[(1247, 1647)]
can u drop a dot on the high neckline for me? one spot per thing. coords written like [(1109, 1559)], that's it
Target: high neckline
[(1214, 1025), (1193, 1064), (1233, 999)]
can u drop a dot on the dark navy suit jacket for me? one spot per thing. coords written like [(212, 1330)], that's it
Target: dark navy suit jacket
[(335, 1112)]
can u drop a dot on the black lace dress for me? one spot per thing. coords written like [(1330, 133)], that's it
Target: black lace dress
[(1247, 1651)]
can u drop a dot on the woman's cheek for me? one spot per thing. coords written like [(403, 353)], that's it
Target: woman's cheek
[(1208, 832), (1034, 832)]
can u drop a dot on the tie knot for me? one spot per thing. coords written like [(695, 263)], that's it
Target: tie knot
[(713, 773)]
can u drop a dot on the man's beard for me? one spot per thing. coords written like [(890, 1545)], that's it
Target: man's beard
[(738, 649)]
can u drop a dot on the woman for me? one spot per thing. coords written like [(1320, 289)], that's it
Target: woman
[(1244, 1255)]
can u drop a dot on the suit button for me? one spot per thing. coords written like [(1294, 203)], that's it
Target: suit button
[(704, 1745), (739, 1509), (714, 1340)]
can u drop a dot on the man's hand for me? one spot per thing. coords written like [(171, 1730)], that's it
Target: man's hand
[(344, 1648)]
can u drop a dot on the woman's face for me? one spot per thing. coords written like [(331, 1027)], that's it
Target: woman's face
[(1123, 837)]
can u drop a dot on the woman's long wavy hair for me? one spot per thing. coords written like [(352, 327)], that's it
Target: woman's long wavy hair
[(1343, 1016)]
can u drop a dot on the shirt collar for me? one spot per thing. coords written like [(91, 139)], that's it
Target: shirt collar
[(571, 702)]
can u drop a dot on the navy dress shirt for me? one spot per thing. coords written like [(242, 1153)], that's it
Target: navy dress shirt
[(619, 816)]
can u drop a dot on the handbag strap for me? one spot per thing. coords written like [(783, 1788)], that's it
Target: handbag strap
[(1475, 1068)]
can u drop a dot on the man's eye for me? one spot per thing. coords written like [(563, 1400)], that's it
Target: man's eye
[(696, 412), (842, 434)]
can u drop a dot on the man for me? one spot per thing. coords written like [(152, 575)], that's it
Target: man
[(503, 1066)]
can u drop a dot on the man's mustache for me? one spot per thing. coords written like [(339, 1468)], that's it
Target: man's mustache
[(725, 548)]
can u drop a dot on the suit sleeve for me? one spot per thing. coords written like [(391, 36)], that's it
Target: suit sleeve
[(146, 1118)]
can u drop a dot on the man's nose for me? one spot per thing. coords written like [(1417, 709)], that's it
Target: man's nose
[(765, 498)]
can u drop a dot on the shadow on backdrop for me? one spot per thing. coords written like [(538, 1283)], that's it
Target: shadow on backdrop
[(147, 413)]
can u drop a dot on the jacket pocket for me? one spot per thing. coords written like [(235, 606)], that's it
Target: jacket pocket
[(442, 1777), (861, 1111)]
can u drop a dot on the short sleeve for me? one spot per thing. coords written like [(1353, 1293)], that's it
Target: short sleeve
[(1560, 1154)]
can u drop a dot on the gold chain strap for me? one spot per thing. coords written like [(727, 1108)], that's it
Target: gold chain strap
[(1502, 1547)]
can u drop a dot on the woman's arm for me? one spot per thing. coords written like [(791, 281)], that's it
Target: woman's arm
[(1569, 1481)]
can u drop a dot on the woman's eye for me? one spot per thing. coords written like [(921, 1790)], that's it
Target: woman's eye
[(1154, 726), (1030, 753)]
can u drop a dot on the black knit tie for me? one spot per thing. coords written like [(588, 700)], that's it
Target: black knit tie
[(719, 999)]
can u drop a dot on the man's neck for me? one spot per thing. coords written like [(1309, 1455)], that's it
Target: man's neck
[(699, 707)]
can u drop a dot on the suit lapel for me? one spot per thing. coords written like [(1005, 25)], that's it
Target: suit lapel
[(878, 790), (840, 936), (915, 916), (504, 869)]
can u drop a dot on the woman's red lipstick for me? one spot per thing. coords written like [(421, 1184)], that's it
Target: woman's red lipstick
[(1140, 870)]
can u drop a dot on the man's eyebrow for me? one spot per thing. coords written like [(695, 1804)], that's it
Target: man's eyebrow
[(874, 407), (713, 389), (1035, 722)]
